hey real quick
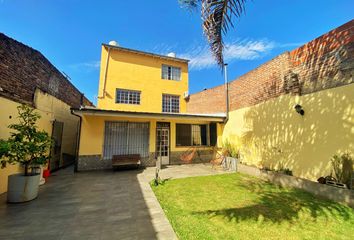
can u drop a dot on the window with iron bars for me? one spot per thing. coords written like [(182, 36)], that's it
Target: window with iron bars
[(171, 73), (192, 135), (170, 103), (127, 96)]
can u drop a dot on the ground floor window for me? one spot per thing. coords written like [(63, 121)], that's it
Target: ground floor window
[(122, 138), (192, 135)]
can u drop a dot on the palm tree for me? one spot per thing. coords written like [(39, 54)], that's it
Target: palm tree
[(217, 20)]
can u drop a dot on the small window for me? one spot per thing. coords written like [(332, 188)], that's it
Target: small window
[(171, 73), (127, 96), (170, 103), (183, 135), (191, 135)]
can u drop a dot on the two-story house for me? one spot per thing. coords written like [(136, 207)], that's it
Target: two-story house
[(141, 109)]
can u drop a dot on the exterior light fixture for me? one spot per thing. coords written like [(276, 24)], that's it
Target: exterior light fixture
[(299, 110)]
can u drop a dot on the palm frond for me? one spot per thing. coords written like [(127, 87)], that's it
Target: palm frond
[(189, 3), (217, 20)]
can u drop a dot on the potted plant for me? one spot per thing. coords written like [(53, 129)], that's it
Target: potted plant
[(232, 155), (28, 147)]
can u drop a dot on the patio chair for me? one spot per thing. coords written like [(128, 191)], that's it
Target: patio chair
[(189, 155), (220, 157)]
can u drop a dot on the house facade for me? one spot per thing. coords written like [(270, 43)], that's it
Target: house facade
[(141, 109)]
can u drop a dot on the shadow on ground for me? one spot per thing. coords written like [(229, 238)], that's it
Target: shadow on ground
[(277, 205)]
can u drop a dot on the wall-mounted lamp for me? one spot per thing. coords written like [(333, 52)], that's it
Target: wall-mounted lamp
[(299, 110)]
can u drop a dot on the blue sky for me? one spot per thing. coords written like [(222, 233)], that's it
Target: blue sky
[(70, 33)]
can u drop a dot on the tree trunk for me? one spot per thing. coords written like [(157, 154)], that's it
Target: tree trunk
[(26, 169)]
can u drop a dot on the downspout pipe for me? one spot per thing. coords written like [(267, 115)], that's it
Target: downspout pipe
[(105, 73), (226, 93), (78, 141)]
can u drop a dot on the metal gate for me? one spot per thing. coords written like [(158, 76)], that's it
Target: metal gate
[(121, 138), (57, 135)]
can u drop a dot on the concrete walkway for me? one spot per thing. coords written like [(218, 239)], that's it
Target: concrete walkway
[(94, 205)]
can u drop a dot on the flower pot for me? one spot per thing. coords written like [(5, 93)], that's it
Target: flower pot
[(22, 188), (231, 164)]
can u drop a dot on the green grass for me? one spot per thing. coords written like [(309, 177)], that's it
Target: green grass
[(237, 206)]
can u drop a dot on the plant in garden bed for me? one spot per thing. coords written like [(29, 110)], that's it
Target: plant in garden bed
[(343, 167), (26, 146), (232, 154), (230, 149)]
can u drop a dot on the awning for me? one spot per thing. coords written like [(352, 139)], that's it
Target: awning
[(218, 117)]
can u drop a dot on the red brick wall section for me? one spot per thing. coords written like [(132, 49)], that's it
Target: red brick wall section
[(260, 84), (23, 69), (208, 101), (325, 62)]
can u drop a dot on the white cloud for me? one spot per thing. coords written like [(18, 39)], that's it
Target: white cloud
[(201, 57), (92, 65)]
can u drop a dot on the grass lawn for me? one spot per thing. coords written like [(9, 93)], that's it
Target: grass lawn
[(237, 206)]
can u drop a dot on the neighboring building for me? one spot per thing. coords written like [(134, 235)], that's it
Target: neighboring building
[(263, 123), (141, 109), (27, 77)]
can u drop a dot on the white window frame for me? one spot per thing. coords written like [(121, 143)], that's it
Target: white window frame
[(169, 107), (170, 72), (132, 97)]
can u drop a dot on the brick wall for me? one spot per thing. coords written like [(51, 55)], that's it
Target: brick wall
[(208, 101), (325, 62), (23, 69)]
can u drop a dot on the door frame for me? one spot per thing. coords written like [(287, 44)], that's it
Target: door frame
[(55, 146), (167, 126)]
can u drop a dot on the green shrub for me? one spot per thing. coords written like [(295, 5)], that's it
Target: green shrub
[(343, 167), (230, 149), (26, 145)]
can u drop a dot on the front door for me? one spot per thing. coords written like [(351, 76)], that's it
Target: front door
[(163, 142)]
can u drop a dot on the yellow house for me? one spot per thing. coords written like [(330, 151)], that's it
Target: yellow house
[(141, 109)]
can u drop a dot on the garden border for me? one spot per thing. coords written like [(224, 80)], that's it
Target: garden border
[(332, 193)]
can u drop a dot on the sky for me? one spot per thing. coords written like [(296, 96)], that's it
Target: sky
[(70, 33)]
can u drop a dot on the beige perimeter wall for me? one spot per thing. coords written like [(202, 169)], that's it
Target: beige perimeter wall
[(273, 135), (50, 109)]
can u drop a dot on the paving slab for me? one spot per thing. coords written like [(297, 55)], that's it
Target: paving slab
[(95, 205)]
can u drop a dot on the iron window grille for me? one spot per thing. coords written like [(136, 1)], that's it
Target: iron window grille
[(170, 103), (192, 135), (128, 96), (171, 73)]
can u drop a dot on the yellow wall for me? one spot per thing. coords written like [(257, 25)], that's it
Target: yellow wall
[(134, 71), (92, 133), (273, 134), (53, 109), (50, 109)]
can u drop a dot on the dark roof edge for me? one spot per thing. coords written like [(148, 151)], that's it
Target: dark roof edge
[(93, 110), (146, 53)]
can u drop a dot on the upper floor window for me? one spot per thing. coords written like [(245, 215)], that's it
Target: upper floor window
[(170, 103), (127, 96), (171, 73)]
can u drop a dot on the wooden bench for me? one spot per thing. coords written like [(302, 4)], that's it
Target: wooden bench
[(126, 160)]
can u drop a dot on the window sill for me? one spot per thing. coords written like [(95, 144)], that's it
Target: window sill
[(203, 146)]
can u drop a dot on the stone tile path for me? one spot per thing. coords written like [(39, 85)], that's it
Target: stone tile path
[(94, 205)]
